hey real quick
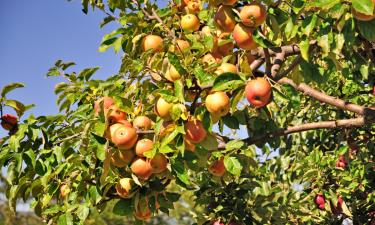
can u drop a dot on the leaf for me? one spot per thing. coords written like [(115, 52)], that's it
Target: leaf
[(367, 29), (7, 88), (65, 219), (231, 122), (324, 4), (309, 24), (204, 78), (234, 145), (181, 172), (227, 82), (232, 165), (173, 59), (17, 106), (123, 207), (87, 73), (363, 6)]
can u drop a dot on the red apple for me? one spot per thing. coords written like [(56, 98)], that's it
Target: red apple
[(258, 92), (8, 121)]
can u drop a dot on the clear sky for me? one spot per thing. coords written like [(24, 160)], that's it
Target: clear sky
[(36, 33)]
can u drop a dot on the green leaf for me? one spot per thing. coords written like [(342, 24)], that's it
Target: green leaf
[(87, 73), (324, 4), (227, 82), (234, 145), (173, 197), (175, 61), (17, 106), (232, 165), (231, 122), (363, 6), (123, 207), (181, 172), (65, 219), (367, 29), (204, 78), (7, 88)]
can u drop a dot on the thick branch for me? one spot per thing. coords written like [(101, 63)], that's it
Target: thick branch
[(322, 97)]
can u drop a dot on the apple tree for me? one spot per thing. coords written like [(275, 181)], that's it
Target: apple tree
[(263, 111)]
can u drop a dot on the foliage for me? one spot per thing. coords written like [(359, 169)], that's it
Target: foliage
[(272, 175)]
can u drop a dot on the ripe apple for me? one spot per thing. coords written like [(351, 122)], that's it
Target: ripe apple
[(190, 23), (64, 190), (243, 36), (107, 103), (111, 129), (124, 137), (217, 168), (258, 92), (9, 121), (162, 108), (142, 123), (141, 167), (123, 187), (224, 18), (224, 49), (143, 212), (195, 132), (320, 201), (159, 163), (115, 114), (153, 42), (217, 223), (362, 16), (143, 146), (182, 45), (218, 103), (226, 68), (194, 6), (253, 15), (121, 158), (172, 74)]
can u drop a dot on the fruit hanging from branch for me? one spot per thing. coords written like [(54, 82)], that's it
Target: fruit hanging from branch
[(258, 92)]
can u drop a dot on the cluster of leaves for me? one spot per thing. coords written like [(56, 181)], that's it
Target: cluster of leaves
[(272, 182)]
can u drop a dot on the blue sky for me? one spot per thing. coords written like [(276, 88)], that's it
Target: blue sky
[(37, 33)]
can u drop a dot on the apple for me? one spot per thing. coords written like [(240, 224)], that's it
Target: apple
[(250, 58), (341, 162), (195, 132), (9, 121), (217, 168), (182, 45), (159, 163), (229, 2), (124, 137), (121, 158), (226, 68), (320, 201), (64, 190), (162, 109), (107, 103), (218, 103), (194, 6), (227, 48), (143, 146), (123, 187), (224, 18), (115, 114), (217, 223), (142, 123), (243, 36), (209, 59), (153, 42), (113, 127), (258, 92), (141, 167), (253, 15), (190, 23), (172, 74), (142, 210), (189, 146), (362, 16)]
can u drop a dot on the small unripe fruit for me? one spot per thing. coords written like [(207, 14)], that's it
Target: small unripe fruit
[(122, 158), (159, 163), (224, 18), (9, 121), (217, 168), (258, 92), (124, 137), (143, 146), (142, 123), (195, 132), (190, 23), (218, 103), (253, 15), (123, 187), (243, 36), (153, 42), (64, 190), (162, 108), (141, 167)]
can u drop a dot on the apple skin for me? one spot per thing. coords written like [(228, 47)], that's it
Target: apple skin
[(162, 108), (142, 123), (123, 187), (143, 146), (218, 103), (341, 162), (124, 137), (182, 45), (172, 74), (193, 7), (195, 132), (9, 121), (121, 158), (226, 68), (64, 190), (217, 223), (115, 114), (190, 23), (243, 36), (142, 210), (373, 90), (189, 146), (153, 42), (320, 201), (107, 103), (224, 49), (217, 168), (159, 163), (253, 15), (224, 18), (258, 92), (141, 167), (364, 17)]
